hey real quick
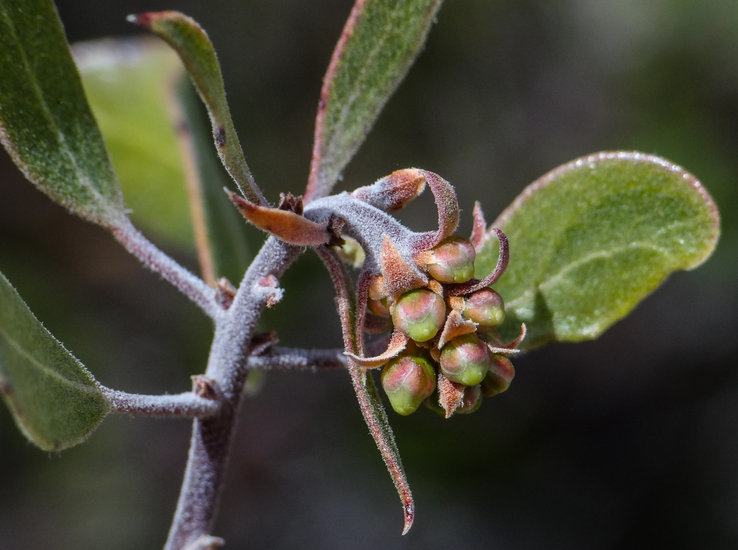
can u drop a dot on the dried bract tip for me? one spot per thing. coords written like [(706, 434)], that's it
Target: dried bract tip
[(419, 314), (465, 360), (455, 326), (450, 395), (225, 292), (204, 386), (407, 381), (290, 202)]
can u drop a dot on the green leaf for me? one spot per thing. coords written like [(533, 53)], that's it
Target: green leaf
[(192, 44), (54, 399), (139, 93), (379, 43), (126, 82), (367, 396), (224, 227), (592, 238), (45, 122)]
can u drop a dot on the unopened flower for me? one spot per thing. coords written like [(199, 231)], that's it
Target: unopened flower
[(499, 376), (451, 261), (466, 360), (484, 307), (472, 400), (407, 381), (419, 314)]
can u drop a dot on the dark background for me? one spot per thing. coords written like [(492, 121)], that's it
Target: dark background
[(626, 442)]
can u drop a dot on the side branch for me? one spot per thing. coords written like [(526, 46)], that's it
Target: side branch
[(157, 261), (298, 359), (181, 405)]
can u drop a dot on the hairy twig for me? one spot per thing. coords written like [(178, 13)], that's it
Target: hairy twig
[(298, 359), (157, 261), (181, 405), (227, 367)]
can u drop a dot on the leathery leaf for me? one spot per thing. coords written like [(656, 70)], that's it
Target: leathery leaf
[(54, 399), (592, 238), (45, 121)]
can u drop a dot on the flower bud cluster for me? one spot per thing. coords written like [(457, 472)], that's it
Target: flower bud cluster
[(453, 356)]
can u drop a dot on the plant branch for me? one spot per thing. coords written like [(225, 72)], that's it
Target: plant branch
[(298, 359), (157, 261), (181, 405), (227, 367)]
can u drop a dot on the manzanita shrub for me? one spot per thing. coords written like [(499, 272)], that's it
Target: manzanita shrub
[(440, 317)]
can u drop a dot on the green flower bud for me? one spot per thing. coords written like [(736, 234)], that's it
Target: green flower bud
[(419, 314), (466, 360), (472, 400), (452, 261), (408, 381), (485, 307), (499, 376)]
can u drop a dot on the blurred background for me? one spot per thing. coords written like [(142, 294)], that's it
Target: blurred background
[(626, 442)]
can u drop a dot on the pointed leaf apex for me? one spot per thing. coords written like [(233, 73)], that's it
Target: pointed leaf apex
[(408, 509), (479, 228), (142, 19)]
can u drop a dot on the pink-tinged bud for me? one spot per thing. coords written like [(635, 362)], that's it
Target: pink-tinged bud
[(452, 261), (472, 400), (499, 376), (378, 307), (419, 314), (466, 360), (408, 381), (484, 307)]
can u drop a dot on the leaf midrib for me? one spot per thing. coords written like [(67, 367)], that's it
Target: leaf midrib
[(526, 296), (79, 386), (38, 91)]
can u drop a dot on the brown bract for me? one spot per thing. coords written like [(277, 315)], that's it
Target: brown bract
[(284, 224)]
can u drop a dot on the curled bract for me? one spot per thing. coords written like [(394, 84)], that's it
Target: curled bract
[(422, 283)]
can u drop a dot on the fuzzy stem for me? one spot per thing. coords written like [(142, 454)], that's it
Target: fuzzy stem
[(182, 405), (227, 367), (299, 359), (157, 261)]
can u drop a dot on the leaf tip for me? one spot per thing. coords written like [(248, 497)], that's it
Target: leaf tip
[(144, 20), (408, 509)]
